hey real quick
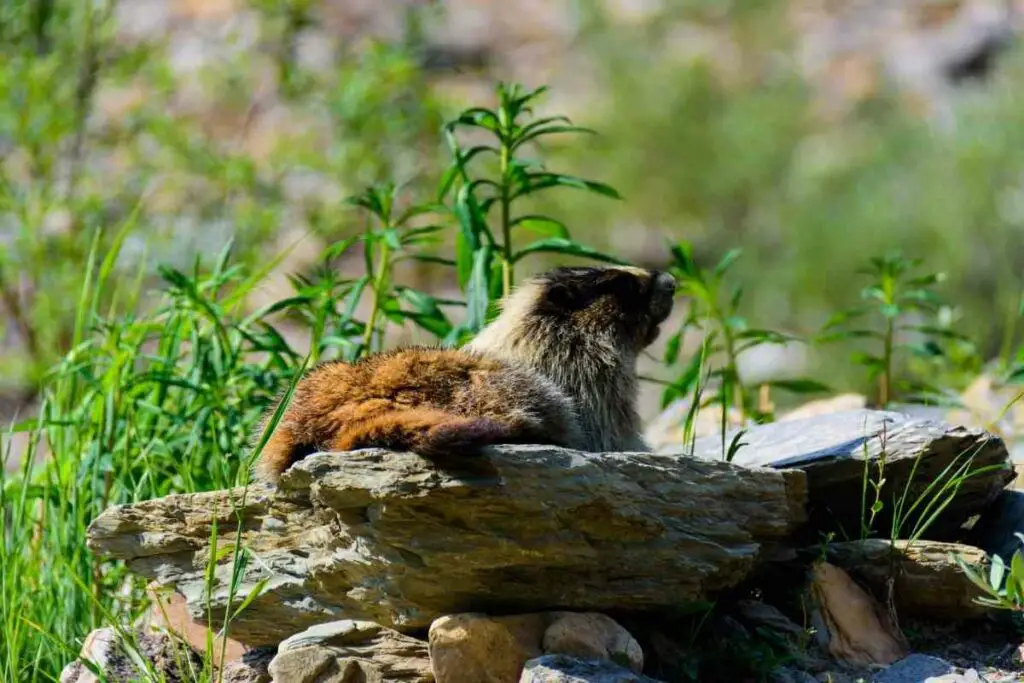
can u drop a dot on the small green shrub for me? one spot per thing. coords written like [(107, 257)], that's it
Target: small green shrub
[(910, 321), (711, 375), (483, 198)]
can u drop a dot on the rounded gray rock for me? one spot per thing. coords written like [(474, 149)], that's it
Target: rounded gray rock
[(562, 669)]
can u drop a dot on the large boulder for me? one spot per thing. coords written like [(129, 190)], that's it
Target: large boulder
[(916, 459), (394, 539)]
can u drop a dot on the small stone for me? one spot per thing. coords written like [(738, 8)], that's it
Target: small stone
[(305, 665), (564, 669), (332, 633), (914, 669), (969, 676), (858, 629), (472, 648), (475, 648), (593, 636), (98, 649), (349, 651), (251, 667)]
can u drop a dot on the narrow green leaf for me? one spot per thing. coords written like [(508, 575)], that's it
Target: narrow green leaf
[(535, 133), (478, 295), (338, 248), (429, 258), (996, 572), (541, 181), (686, 379), (478, 117), (557, 245), (420, 235), (420, 210), (672, 348), (542, 225), (799, 386), (392, 238), (727, 262)]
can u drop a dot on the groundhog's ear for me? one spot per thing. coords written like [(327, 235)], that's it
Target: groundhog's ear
[(561, 296)]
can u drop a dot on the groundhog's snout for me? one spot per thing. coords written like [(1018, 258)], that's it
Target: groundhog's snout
[(663, 293)]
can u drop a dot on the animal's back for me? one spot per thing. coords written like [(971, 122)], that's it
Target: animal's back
[(429, 401)]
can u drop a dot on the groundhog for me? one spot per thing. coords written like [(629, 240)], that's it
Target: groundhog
[(557, 366)]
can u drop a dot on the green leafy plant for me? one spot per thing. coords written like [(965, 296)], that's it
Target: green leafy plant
[(712, 373), (908, 316), (387, 241), (487, 182), (1002, 585)]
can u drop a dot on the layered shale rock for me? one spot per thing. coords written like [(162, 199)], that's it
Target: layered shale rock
[(394, 539)]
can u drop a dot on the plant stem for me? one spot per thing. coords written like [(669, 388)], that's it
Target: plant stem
[(507, 274), (884, 380), (731, 358), (379, 285)]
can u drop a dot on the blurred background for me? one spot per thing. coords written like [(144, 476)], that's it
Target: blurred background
[(813, 134)]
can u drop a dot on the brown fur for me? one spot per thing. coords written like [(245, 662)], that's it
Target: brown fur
[(558, 366)]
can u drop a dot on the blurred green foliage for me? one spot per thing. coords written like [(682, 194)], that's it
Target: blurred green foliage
[(731, 149), (72, 166), (722, 149)]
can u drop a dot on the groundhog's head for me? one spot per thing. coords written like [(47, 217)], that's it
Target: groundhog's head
[(616, 307), (630, 303)]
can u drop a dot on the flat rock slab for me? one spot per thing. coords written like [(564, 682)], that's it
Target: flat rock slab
[(838, 450), (394, 539)]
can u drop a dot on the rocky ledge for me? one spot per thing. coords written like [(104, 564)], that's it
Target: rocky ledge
[(513, 559), (391, 538)]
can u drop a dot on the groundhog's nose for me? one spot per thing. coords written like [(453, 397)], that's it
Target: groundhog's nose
[(663, 282), (663, 292)]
